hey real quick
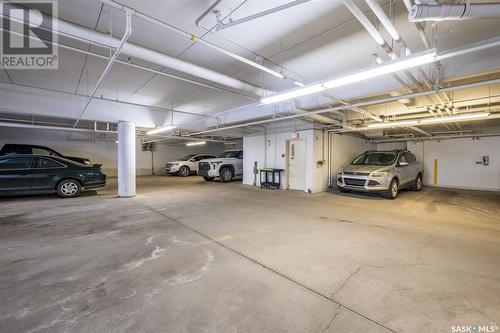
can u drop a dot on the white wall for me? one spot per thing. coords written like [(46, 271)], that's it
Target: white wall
[(344, 149), (270, 152), (105, 151), (391, 146), (457, 162)]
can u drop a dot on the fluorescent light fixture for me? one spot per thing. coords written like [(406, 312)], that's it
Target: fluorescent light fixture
[(460, 117), (386, 68), (161, 129), (297, 83), (198, 143), (116, 141), (389, 67), (293, 94), (427, 121), (393, 124)]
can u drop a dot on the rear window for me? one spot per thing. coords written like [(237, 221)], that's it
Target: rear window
[(15, 163)]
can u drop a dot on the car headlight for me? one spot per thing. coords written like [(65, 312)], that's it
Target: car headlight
[(379, 173), (340, 171), (86, 162), (175, 163)]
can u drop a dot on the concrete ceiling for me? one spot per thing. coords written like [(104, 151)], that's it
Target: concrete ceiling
[(313, 41)]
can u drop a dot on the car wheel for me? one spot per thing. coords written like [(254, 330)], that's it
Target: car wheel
[(208, 179), (226, 175), (393, 189), (69, 188), (417, 185), (184, 171)]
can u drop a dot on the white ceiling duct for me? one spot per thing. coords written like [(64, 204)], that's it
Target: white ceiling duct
[(453, 12)]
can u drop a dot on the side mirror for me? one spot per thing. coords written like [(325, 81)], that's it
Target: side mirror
[(402, 164)]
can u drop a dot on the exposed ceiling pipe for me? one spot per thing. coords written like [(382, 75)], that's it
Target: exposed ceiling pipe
[(391, 29), (355, 108), (419, 130), (193, 37), (93, 37), (420, 26), (110, 100), (471, 48), (453, 12), (221, 25), (237, 57), (131, 64), (438, 137), (53, 128), (320, 118), (183, 138), (126, 35), (360, 104), (370, 28)]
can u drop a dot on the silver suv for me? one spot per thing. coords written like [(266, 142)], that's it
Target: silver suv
[(381, 171)]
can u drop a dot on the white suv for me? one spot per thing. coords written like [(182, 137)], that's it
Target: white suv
[(226, 166), (186, 165)]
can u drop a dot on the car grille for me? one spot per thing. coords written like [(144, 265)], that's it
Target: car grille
[(355, 173), (354, 182), (204, 166)]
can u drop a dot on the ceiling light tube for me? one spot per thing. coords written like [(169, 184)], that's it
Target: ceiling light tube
[(454, 118), (291, 94), (393, 124), (199, 143), (161, 129), (385, 68), (427, 121)]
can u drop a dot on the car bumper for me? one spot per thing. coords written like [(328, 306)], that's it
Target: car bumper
[(171, 170), (94, 183), (207, 173), (363, 183)]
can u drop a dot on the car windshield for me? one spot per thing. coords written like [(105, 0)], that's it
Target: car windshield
[(228, 154), (375, 158), (187, 158)]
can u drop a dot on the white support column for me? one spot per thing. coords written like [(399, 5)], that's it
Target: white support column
[(126, 159)]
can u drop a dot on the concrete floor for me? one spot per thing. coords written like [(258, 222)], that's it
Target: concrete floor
[(190, 256)]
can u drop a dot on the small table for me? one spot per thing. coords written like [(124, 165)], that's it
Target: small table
[(270, 178)]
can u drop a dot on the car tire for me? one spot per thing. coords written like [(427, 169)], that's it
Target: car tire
[(392, 193), (417, 185), (184, 171), (68, 188), (226, 175), (343, 190), (209, 179)]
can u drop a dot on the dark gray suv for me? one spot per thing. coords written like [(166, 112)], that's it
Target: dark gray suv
[(381, 171)]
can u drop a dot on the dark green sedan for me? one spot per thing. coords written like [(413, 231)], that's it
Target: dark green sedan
[(37, 174)]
